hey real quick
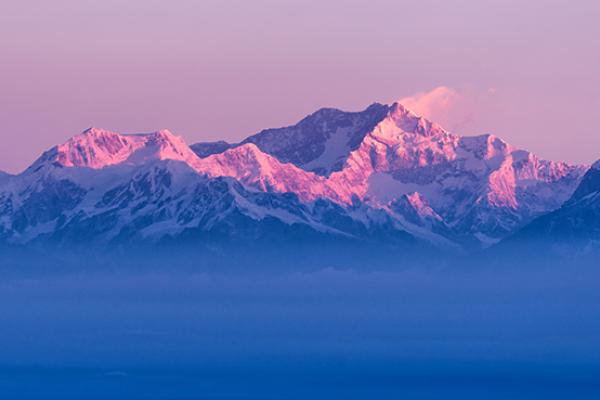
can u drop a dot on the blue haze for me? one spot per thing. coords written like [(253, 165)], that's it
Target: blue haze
[(518, 333)]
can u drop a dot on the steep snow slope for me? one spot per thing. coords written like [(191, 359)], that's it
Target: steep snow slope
[(574, 227), (589, 186)]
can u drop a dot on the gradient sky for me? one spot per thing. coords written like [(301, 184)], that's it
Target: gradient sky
[(526, 71)]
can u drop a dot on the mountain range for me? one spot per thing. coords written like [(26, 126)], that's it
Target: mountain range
[(383, 176)]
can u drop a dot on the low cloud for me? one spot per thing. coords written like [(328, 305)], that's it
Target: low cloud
[(434, 103)]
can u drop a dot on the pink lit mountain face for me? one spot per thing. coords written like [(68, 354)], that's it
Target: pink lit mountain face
[(353, 175)]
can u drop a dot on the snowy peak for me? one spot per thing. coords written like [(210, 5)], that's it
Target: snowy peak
[(246, 160), (98, 148), (249, 165), (399, 111), (95, 148), (322, 141), (408, 121), (163, 145)]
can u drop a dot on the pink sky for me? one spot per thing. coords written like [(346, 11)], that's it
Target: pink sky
[(526, 71)]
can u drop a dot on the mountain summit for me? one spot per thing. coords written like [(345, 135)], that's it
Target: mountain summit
[(98, 148)]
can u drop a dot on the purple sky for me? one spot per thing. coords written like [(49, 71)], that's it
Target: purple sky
[(526, 71)]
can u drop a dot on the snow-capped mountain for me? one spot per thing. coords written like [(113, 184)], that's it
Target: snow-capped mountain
[(572, 229), (481, 187), (382, 175)]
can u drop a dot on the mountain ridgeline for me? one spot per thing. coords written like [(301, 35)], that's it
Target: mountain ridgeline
[(337, 186)]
